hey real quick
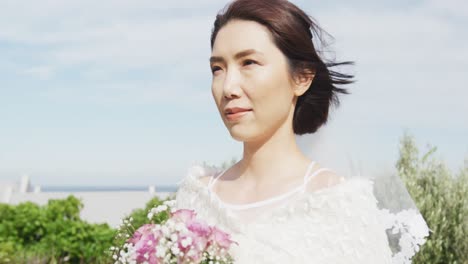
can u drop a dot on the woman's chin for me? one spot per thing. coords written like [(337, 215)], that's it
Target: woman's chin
[(243, 134), (241, 137)]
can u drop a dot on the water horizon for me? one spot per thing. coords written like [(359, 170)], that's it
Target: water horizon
[(104, 188)]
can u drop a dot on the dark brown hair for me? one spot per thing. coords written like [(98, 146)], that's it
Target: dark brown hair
[(292, 31)]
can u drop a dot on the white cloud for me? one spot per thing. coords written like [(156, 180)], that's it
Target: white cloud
[(398, 52), (43, 72), (450, 8), (409, 64), (98, 41), (137, 44), (123, 43), (109, 34)]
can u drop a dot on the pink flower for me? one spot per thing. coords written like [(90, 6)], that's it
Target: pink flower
[(221, 238), (199, 236), (144, 240), (199, 228), (197, 247), (183, 215), (194, 239)]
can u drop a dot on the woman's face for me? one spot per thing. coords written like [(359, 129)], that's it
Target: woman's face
[(250, 72)]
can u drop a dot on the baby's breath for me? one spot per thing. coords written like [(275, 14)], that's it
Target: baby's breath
[(174, 243)]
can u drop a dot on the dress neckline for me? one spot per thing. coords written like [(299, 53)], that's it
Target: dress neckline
[(230, 219), (269, 200)]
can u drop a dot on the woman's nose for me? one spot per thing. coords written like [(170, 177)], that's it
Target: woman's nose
[(231, 86)]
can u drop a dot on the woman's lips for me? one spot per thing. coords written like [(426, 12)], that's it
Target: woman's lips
[(237, 116)]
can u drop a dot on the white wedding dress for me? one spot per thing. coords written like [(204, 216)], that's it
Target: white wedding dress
[(336, 224)]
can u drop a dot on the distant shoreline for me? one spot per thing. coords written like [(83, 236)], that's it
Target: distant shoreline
[(105, 188)]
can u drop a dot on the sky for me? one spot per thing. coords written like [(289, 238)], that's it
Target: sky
[(119, 92)]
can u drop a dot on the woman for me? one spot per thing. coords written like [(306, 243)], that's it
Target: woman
[(270, 84)]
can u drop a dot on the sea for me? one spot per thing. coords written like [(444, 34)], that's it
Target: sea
[(169, 188)]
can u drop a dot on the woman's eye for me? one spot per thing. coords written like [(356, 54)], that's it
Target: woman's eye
[(248, 62), (214, 69)]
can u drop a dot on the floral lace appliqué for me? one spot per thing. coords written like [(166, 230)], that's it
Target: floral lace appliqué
[(408, 229)]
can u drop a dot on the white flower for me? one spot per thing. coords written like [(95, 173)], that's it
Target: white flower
[(186, 242), (150, 215), (159, 209), (166, 232), (170, 203), (175, 250), (170, 223), (156, 228), (160, 252), (180, 226)]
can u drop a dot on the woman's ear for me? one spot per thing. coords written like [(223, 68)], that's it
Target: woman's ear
[(303, 82)]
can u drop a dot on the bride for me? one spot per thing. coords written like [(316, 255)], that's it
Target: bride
[(269, 84)]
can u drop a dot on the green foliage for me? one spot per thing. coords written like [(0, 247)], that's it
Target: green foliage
[(442, 199), (222, 166), (140, 216), (7, 250), (53, 233)]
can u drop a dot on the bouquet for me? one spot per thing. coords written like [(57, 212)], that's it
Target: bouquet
[(179, 238)]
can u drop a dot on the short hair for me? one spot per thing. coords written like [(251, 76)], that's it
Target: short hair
[(292, 31)]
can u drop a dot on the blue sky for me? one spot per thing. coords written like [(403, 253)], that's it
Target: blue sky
[(118, 92)]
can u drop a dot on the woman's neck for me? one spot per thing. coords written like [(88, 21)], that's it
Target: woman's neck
[(264, 160)]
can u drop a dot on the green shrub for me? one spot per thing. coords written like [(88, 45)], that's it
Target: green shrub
[(7, 250), (53, 233), (442, 199)]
